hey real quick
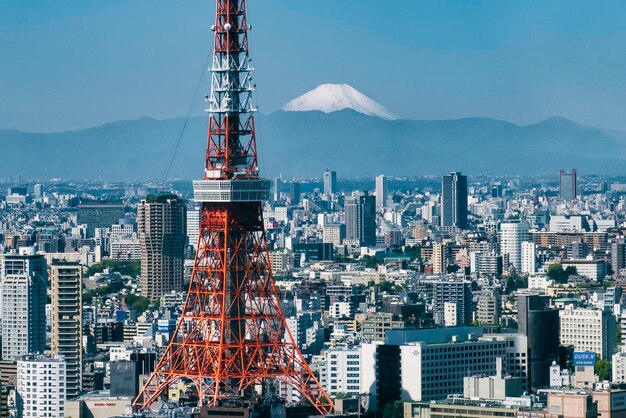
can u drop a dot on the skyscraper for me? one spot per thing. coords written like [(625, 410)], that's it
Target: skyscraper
[(23, 301), (361, 218), (454, 200), (330, 182), (193, 226), (540, 324), (512, 235), (294, 193), (276, 187), (568, 184), (67, 325), (161, 224), (381, 192)]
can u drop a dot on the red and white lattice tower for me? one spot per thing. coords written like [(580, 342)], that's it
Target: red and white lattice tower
[(232, 335)]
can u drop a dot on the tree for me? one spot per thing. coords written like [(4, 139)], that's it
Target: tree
[(394, 410), (602, 369), (556, 273)]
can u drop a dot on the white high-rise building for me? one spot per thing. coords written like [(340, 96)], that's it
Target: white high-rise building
[(41, 387), (330, 182), (23, 300), (381, 193), (529, 257), (193, 226), (343, 372), (512, 235), (588, 330)]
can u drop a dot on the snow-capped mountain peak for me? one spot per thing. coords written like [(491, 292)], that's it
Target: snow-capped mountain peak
[(329, 98)]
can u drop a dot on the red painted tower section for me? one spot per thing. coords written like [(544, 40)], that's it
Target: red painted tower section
[(232, 338)]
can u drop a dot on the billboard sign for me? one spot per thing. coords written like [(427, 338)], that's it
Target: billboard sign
[(584, 358)]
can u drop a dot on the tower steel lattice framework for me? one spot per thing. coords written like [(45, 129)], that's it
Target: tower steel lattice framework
[(232, 336)]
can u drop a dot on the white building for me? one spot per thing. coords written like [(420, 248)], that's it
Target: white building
[(23, 304), (343, 372), (512, 235), (588, 330), (41, 387), (618, 363), (125, 247), (593, 269), (450, 314), (193, 226), (282, 261), (529, 257), (381, 192)]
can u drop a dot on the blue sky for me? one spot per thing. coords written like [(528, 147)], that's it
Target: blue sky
[(74, 63)]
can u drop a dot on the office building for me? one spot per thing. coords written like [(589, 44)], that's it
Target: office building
[(374, 325), (334, 234), (294, 193), (590, 330), (540, 324), (454, 200), (342, 372), (276, 188), (568, 184), (593, 269), (38, 190), (41, 388), (529, 257), (485, 264), (511, 236), (97, 214), (193, 226), (23, 301), (330, 182), (454, 291), (618, 255), (67, 324), (161, 224), (489, 307), (361, 219), (381, 192)]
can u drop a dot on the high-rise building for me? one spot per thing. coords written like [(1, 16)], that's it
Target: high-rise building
[(193, 226), (454, 291), (294, 193), (38, 190), (361, 219), (334, 234), (540, 324), (23, 301), (330, 182), (381, 192), (41, 386), (591, 330), (454, 200), (529, 257), (618, 256), (161, 224), (568, 184), (511, 236), (276, 187), (67, 325), (489, 307), (97, 214)]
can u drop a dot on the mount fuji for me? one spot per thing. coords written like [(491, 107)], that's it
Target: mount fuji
[(330, 98)]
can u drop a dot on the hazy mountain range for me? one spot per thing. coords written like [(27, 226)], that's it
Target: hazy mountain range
[(304, 143)]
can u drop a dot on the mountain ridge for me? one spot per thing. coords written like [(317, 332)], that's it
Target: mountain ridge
[(303, 144)]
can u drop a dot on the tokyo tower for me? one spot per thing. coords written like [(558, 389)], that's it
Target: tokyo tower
[(232, 337)]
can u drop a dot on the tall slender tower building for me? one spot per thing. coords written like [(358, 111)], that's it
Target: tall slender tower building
[(67, 326), (161, 225), (454, 200), (361, 219), (511, 237), (381, 193), (232, 339), (568, 184), (23, 300), (330, 182)]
